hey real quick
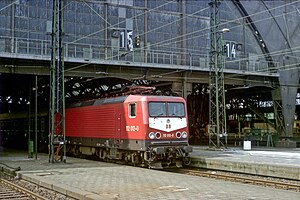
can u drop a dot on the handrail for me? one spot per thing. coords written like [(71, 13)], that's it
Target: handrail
[(41, 49)]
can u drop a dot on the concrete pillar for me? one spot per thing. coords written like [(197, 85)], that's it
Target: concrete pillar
[(183, 89), (187, 89), (177, 88), (288, 80)]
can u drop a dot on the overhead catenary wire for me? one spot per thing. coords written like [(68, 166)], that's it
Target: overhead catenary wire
[(3, 8), (113, 26), (176, 38), (180, 19), (170, 40), (198, 30), (259, 55), (221, 24), (262, 55), (160, 43)]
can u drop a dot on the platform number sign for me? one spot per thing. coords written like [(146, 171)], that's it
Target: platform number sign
[(126, 40), (230, 50)]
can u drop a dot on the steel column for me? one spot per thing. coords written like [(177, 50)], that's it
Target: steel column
[(279, 118), (35, 116), (217, 113), (289, 83), (183, 32), (57, 148), (146, 31)]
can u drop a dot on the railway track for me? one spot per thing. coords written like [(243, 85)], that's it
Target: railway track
[(243, 178), (10, 191)]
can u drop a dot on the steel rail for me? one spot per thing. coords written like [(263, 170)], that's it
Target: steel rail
[(240, 178), (18, 192)]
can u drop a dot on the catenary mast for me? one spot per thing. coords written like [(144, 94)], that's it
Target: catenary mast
[(57, 147), (217, 113)]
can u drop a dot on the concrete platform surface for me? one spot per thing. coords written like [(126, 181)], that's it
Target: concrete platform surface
[(283, 163), (86, 179)]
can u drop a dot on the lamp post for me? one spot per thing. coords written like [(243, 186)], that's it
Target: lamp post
[(35, 114), (29, 117)]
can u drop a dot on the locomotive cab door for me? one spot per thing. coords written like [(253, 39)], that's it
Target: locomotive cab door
[(114, 154), (118, 127)]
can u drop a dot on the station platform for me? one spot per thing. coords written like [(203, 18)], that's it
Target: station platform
[(91, 180), (273, 162)]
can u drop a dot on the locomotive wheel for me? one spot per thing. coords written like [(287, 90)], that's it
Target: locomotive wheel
[(76, 151), (104, 154), (187, 160), (99, 153)]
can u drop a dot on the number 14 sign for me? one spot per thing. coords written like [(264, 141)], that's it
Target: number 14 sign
[(231, 48)]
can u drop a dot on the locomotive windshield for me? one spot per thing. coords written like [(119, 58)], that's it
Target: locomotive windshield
[(157, 109), (169, 109), (176, 109)]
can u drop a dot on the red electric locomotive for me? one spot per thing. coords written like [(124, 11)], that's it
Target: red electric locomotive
[(144, 130)]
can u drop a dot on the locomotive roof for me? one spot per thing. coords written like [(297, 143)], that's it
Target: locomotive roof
[(95, 102), (119, 99), (99, 102)]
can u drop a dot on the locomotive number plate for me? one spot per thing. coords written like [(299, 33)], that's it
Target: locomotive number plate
[(168, 135), (132, 128)]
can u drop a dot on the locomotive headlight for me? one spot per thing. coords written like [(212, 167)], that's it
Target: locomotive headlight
[(184, 134), (158, 135), (151, 135), (178, 134)]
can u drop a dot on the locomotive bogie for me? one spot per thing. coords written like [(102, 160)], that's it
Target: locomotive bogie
[(87, 150)]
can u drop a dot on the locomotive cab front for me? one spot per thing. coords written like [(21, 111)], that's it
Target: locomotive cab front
[(167, 135)]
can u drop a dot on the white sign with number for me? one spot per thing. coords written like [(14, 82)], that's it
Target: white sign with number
[(231, 50), (126, 40)]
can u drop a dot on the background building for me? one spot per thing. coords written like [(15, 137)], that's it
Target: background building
[(129, 38)]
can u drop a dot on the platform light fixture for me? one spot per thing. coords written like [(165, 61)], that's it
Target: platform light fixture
[(103, 73), (225, 30)]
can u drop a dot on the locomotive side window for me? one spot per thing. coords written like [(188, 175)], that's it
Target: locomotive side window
[(132, 110), (176, 109), (157, 109)]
